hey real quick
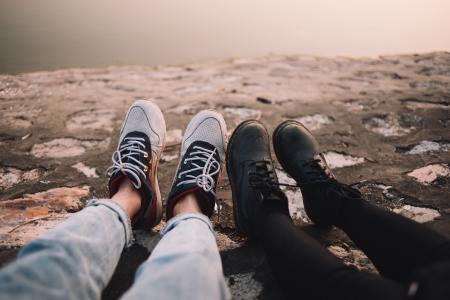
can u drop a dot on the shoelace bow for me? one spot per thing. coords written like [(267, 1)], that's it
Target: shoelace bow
[(202, 159), (133, 167)]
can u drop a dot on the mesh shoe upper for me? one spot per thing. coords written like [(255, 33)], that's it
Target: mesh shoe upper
[(136, 158), (208, 126), (202, 154)]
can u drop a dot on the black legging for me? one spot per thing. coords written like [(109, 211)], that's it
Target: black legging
[(398, 247)]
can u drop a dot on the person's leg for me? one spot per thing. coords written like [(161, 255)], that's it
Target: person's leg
[(75, 260), (396, 245), (302, 266), (186, 262)]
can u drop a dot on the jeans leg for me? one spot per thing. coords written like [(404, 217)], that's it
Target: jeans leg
[(75, 260), (184, 265)]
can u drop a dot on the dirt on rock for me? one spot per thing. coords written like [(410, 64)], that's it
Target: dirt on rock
[(384, 124)]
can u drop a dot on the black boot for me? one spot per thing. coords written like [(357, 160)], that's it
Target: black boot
[(323, 196), (252, 176)]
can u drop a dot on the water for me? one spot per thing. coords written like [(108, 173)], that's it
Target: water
[(52, 34)]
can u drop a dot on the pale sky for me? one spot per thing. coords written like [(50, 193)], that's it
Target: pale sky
[(49, 34)]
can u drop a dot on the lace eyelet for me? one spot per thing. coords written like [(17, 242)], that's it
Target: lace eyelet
[(145, 154), (145, 168)]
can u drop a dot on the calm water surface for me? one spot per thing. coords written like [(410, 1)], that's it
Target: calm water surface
[(51, 34)]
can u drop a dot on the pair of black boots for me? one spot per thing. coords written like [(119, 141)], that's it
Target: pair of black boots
[(254, 183)]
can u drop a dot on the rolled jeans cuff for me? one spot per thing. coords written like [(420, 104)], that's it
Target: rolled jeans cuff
[(123, 217), (172, 223)]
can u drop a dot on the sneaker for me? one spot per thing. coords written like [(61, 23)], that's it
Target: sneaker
[(202, 156), (254, 184), (297, 151), (141, 143)]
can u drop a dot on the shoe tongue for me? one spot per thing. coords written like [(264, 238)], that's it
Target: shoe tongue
[(206, 199), (190, 165), (127, 155), (139, 137), (199, 146)]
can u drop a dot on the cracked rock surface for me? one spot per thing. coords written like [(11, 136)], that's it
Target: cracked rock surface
[(384, 124)]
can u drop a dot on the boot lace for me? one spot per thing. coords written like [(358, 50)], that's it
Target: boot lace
[(317, 170), (263, 178), (331, 185)]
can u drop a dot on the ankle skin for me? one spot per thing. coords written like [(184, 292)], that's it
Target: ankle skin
[(187, 204), (128, 198)]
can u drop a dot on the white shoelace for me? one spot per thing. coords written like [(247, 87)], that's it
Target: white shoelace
[(211, 167), (131, 148)]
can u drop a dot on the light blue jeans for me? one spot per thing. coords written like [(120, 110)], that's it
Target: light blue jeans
[(76, 259)]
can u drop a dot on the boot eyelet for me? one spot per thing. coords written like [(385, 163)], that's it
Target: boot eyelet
[(145, 154), (145, 169)]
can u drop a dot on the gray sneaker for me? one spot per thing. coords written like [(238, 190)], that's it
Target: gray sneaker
[(202, 157), (141, 143)]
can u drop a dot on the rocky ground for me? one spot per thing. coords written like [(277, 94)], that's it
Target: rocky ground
[(382, 123)]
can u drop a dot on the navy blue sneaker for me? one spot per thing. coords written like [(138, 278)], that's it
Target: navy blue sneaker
[(141, 143), (201, 160)]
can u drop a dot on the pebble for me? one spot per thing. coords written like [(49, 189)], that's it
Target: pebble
[(243, 113), (11, 176), (244, 286), (418, 214), (426, 175), (66, 147), (50, 207), (386, 125), (87, 171), (315, 122), (98, 119), (337, 160), (429, 146)]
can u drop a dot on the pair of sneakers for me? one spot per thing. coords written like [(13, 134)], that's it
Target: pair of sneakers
[(141, 143)]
